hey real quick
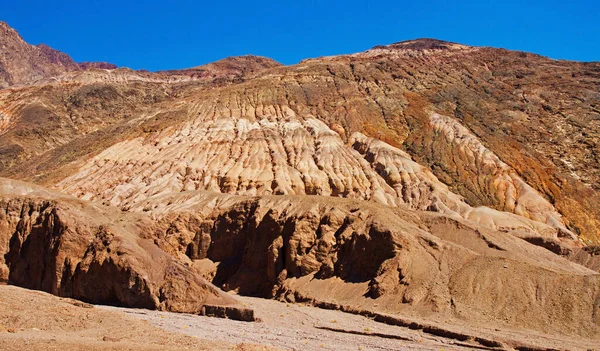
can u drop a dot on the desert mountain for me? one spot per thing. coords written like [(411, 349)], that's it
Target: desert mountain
[(423, 178)]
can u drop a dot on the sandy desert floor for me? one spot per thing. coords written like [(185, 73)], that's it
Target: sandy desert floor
[(33, 320), (302, 327)]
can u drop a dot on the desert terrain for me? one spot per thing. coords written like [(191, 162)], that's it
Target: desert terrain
[(418, 195)]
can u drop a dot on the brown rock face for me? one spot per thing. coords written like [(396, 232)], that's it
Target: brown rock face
[(74, 249), (423, 178)]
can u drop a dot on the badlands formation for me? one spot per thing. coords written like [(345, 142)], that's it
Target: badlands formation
[(424, 179)]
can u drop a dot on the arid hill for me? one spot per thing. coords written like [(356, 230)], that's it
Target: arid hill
[(423, 178)]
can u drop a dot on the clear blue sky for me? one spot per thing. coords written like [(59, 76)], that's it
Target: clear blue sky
[(162, 34)]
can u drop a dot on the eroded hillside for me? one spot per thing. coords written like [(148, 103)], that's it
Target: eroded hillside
[(423, 178), (507, 130)]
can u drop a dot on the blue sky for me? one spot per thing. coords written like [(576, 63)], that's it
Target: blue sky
[(156, 35)]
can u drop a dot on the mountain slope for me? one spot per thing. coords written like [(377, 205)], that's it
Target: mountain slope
[(487, 124), (423, 177)]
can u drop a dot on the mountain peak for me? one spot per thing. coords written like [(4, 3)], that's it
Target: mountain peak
[(232, 67), (243, 61), (4, 25), (23, 63), (8, 31)]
